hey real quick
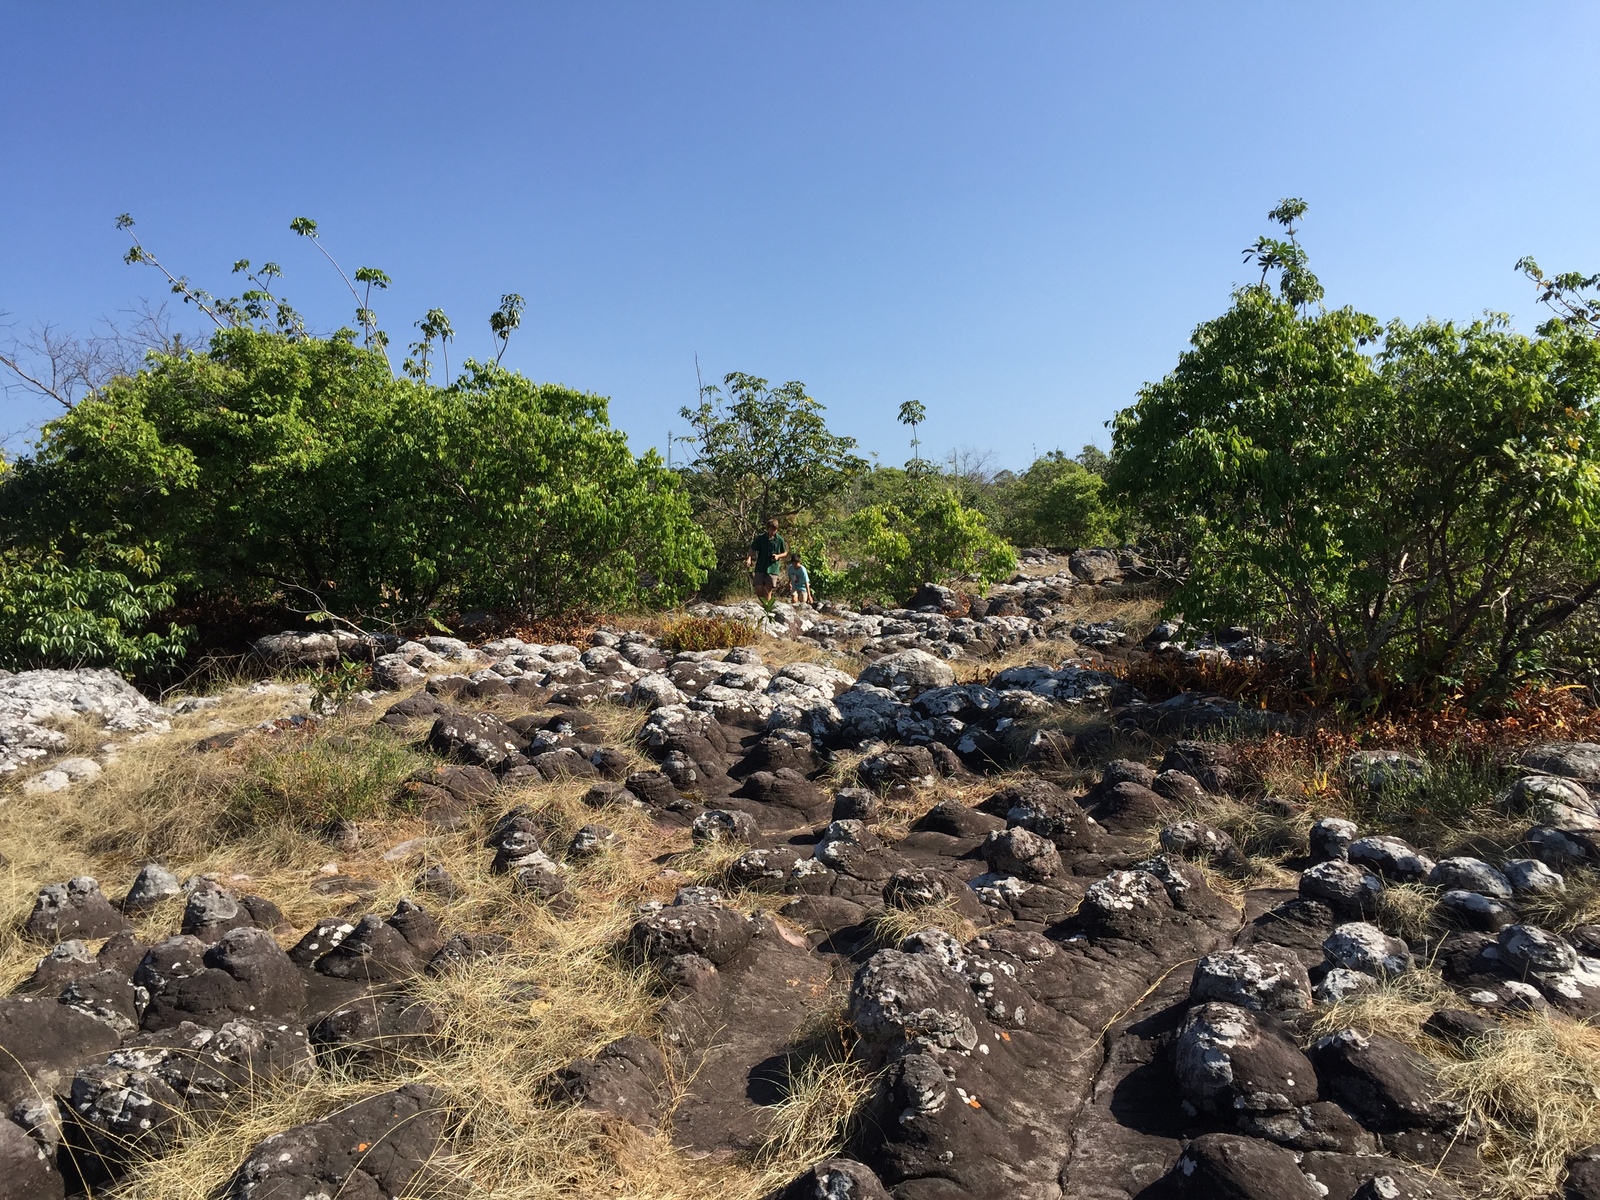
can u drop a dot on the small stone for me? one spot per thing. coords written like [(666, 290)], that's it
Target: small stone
[(1391, 858), (1530, 877), (592, 841), (1341, 982), (153, 884), (1330, 839), (1470, 875), (1342, 886), (1366, 948)]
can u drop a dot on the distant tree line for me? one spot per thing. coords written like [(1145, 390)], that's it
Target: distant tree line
[(1410, 507)]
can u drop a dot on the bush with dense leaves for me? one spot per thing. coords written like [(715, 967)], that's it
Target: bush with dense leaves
[(298, 467), (1413, 505), (890, 550), (96, 613), (1056, 502)]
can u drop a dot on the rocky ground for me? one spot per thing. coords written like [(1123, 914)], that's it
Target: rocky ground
[(924, 903)]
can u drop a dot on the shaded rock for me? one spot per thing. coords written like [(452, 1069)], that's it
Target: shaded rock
[(380, 1030), (1044, 809), (28, 1171), (1572, 760), (1470, 875), (318, 940), (118, 1112), (244, 975), (1390, 859), (712, 931), (1387, 1086), (762, 869), (1530, 877), (477, 739), (1225, 1166), (1343, 886), (1384, 771), (1458, 1027), (908, 673), (384, 950), (1263, 978), (652, 788), (627, 1079), (1199, 841), (43, 1044), (1229, 1060), (1211, 764), (909, 765), (724, 825), (1021, 853), (787, 789), (1366, 948), (591, 841), (836, 1179), (371, 1150), (1472, 910), (956, 820), (1095, 565), (1179, 787), (1125, 806), (1330, 839), (75, 909), (856, 804), (153, 884), (66, 961), (107, 996), (1371, 1177)]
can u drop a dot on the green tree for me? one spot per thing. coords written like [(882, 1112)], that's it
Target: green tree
[(930, 537), (1056, 502), (298, 466), (760, 452), (1415, 504)]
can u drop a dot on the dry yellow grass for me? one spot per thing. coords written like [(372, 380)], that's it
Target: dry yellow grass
[(1534, 1086), (508, 1022), (893, 925)]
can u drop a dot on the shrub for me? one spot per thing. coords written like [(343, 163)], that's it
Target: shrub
[(931, 537), (88, 615), (1411, 504), (1056, 502), (706, 633), (293, 466)]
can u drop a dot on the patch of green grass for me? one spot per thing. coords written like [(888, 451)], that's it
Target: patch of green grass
[(311, 782), (706, 633)]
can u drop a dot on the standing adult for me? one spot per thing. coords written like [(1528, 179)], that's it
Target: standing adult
[(766, 556)]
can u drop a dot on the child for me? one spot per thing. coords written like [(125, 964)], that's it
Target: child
[(799, 580)]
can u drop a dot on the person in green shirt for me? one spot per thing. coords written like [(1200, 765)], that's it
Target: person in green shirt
[(766, 555)]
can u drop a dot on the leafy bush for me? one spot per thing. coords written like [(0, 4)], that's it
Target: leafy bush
[(892, 549), (278, 464), (706, 633), (1411, 504), (1056, 502), (87, 615)]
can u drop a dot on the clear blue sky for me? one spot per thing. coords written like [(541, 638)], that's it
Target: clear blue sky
[(1012, 212)]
